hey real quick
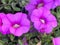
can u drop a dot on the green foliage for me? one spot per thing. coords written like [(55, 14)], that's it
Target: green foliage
[(20, 42), (46, 39), (12, 5)]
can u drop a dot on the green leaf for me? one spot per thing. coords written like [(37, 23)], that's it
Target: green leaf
[(14, 7), (20, 42), (29, 36), (3, 1), (1, 7), (7, 7), (11, 37), (1, 42), (10, 1), (58, 15), (58, 9)]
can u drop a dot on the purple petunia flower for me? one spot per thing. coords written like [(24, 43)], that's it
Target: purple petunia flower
[(43, 20), (51, 4), (37, 3), (56, 41), (19, 23), (3, 24)]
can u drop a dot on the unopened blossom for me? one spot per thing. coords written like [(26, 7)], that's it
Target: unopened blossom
[(56, 41), (19, 23), (4, 24), (43, 20)]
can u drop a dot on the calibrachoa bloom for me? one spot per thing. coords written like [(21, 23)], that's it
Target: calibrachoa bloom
[(38, 3), (51, 4), (19, 23), (43, 20), (56, 41), (4, 24)]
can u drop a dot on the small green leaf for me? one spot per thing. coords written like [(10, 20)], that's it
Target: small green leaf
[(3, 1), (20, 42), (1, 7), (58, 9), (1, 42), (16, 9), (11, 37), (10, 1), (7, 7)]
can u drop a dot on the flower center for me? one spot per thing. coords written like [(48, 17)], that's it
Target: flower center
[(40, 5), (16, 25), (43, 21)]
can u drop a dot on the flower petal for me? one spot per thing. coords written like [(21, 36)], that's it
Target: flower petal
[(21, 30), (5, 25), (53, 23), (12, 30), (46, 1), (37, 25), (56, 41), (38, 12), (16, 17), (48, 29), (48, 5), (34, 18), (24, 20)]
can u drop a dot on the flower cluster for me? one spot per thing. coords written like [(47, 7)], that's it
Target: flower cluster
[(40, 16), (39, 12)]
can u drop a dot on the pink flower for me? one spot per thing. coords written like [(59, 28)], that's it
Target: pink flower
[(56, 41), (36, 4), (19, 23), (4, 24), (51, 4), (43, 20)]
